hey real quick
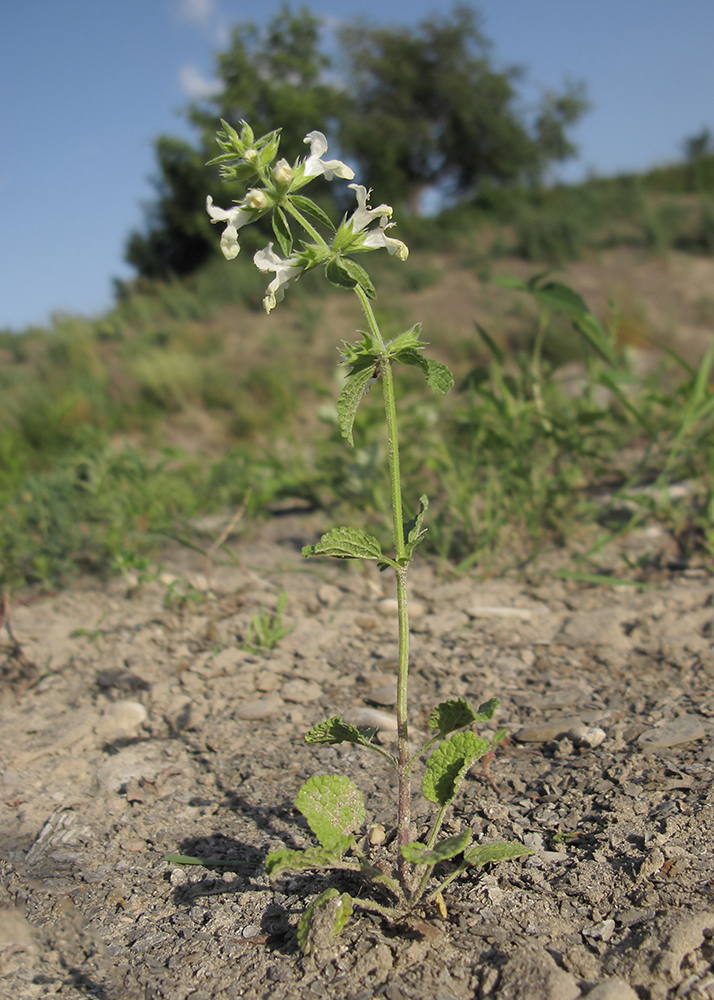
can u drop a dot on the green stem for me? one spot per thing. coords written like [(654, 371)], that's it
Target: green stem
[(307, 226), (400, 571)]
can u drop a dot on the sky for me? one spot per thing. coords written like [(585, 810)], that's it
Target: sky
[(87, 85)]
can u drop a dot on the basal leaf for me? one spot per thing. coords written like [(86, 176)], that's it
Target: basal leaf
[(481, 854), (345, 543), (325, 917), (282, 232), (419, 854), (486, 710), (284, 860), (333, 807), (309, 207), (449, 763), (352, 392), (336, 731), (451, 715)]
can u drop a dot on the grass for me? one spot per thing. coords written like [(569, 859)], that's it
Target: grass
[(184, 400)]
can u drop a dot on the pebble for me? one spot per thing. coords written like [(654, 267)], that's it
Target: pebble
[(597, 628), (601, 931), (683, 729), (329, 596), (385, 694), (388, 608), (143, 761), (260, 708), (384, 722), (120, 719), (500, 611), (300, 691), (544, 732), (586, 737), (562, 698), (613, 988)]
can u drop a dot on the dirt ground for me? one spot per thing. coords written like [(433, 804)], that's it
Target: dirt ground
[(135, 726)]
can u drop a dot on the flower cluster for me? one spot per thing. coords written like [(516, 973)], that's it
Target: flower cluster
[(275, 187)]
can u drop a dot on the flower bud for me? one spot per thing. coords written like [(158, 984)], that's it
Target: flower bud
[(283, 172), (256, 199), (250, 155)]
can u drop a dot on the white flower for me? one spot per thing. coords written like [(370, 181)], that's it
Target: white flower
[(378, 238), (315, 165), (285, 270), (256, 199), (235, 218), (363, 214), (283, 172)]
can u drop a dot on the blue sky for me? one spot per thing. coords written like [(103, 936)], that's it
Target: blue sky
[(86, 86)]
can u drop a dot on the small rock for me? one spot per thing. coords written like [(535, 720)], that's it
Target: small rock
[(260, 708), (329, 596), (586, 737), (143, 761), (121, 719), (384, 722), (601, 931), (544, 732), (684, 729), (611, 989), (377, 834), (562, 698), (300, 691), (498, 611), (597, 628), (385, 694), (687, 936), (388, 608)]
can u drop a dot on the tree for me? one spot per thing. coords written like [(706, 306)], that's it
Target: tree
[(429, 108)]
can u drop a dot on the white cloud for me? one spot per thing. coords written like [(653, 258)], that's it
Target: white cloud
[(197, 10), (195, 85)]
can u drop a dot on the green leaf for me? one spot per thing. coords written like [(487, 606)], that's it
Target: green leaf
[(345, 543), (491, 344), (486, 710), (409, 340), (284, 860), (336, 731), (413, 530), (449, 763), (418, 854), (451, 715), (282, 232), (333, 808), (482, 854), (325, 917), (359, 275), (558, 296), (589, 328), (309, 207), (352, 392), (438, 377), (338, 276)]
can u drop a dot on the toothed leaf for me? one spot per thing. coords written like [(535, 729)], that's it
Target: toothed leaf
[(481, 854), (409, 340), (345, 543), (352, 392), (449, 763), (438, 377), (419, 854), (325, 918), (309, 207), (336, 731), (333, 808), (413, 530), (451, 715)]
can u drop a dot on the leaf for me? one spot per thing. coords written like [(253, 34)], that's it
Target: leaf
[(486, 710), (345, 543), (360, 276), (334, 730), (558, 296), (325, 917), (591, 330), (284, 860), (309, 207), (282, 232), (352, 392), (449, 763), (333, 808), (491, 343), (337, 275), (407, 340), (451, 715), (413, 530), (419, 854), (481, 854), (438, 377)]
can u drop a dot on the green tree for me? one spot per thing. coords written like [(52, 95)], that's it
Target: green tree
[(429, 108)]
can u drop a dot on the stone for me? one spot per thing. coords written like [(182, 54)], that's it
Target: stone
[(586, 737), (613, 988), (385, 694), (300, 691), (364, 717), (597, 628), (532, 974), (143, 761), (121, 719), (544, 732), (683, 729), (502, 611), (260, 708)]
